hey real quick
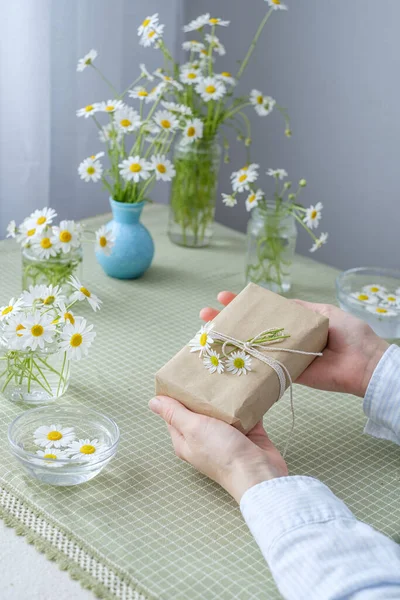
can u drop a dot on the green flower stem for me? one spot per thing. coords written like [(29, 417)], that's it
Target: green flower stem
[(104, 78), (121, 96), (62, 373), (48, 272), (253, 44)]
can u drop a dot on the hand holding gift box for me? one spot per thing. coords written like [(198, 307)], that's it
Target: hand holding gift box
[(238, 365)]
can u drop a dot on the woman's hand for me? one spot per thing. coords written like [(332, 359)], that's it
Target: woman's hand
[(349, 360), (236, 461)]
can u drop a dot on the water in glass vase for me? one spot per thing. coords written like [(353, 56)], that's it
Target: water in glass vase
[(193, 193), (271, 243), (52, 271)]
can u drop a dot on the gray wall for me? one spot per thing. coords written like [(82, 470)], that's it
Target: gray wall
[(335, 66)]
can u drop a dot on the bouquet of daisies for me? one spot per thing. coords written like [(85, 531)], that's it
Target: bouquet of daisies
[(39, 335)]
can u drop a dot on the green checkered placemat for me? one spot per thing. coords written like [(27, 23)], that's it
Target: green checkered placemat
[(149, 526)]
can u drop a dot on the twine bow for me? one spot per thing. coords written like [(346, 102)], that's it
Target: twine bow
[(256, 347)]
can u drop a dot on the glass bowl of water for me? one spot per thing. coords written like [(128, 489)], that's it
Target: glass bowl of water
[(63, 445), (373, 295)]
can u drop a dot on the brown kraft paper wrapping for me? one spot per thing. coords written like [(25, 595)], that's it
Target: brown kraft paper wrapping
[(243, 400)]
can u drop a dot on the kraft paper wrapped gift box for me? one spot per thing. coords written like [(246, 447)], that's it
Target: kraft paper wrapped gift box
[(243, 400)]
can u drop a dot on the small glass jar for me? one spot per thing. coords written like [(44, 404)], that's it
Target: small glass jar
[(33, 376), (193, 193), (271, 244), (52, 271)]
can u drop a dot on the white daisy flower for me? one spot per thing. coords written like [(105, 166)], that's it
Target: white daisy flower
[(43, 246), (53, 457), (65, 315), (66, 236), (88, 111), (217, 21), (216, 44), (14, 306), (145, 72), (213, 362), (323, 238), (193, 46), (382, 311), (76, 339), (313, 215), (86, 60), (38, 330), (52, 295), (242, 178), (110, 106), (186, 111), (390, 299), (398, 291), (27, 232), (86, 449), (263, 105), (156, 92), (277, 173), (238, 363), (11, 229), (163, 168), (375, 288), (148, 24), (53, 436), (82, 293), (193, 131), (34, 295), (110, 134), (276, 5), (127, 119), (151, 35), (202, 340), (189, 76), (197, 23), (12, 331), (226, 77), (139, 93), (90, 170), (229, 200), (168, 80), (253, 199), (134, 169), (211, 88), (166, 120), (105, 240), (364, 297), (41, 218)]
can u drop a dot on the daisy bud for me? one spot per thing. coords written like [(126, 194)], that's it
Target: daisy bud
[(292, 197), (227, 160), (288, 132), (302, 183), (247, 142), (287, 185), (239, 138)]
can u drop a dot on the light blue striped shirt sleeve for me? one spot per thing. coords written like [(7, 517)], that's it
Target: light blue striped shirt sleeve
[(315, 547)]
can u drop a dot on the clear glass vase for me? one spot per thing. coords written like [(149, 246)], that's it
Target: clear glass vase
[(33, 376), (52, 271), (193, 193), (271, 244)]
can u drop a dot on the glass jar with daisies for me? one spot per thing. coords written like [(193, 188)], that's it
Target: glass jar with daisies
[(205, 97), (272, 232), (51, 254), (39, 336)]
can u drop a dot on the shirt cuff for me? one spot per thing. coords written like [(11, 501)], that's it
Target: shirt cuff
[(382, 400), (286, 503)]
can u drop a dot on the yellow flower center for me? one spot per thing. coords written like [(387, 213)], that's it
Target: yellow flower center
[(143, 93), (238, 363), (314, 214), (18, 328), (165, 123), (192, 75), (151, 33), (31, 232), (167, 78), (260, 99), (49, 300), (191, 131), (214, 21), (363, 297), (91, 170), (52, 456), (161, 168), (375, 289), (6, 310), (146, 22), (54, 436), (226, 74), (135, 167), (391, 299), (125, 123), (381, 311), (46, 243), (243, 178), (87, 449), (204, 52), (76, 340), (37, 330), (210, 89), (252, 198), (214, 361), (276, 2), (65, 236), (88, 61), (103, 241), (41, 220), (89, 108), (110, 108), (69, 317), (85, 292), (203, 339)]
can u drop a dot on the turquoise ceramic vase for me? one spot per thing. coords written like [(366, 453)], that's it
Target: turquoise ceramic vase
[(133, 250)]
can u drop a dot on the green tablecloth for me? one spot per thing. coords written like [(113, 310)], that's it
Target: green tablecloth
[(150, 526)]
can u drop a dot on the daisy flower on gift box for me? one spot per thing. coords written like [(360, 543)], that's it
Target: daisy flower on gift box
[(192, 131), (43, 246), (86, 60), (202, 340), (37, 330), (14, 306), (238, 363), (82, 293), (66, 236), (84, 449), (53, 436), (211, 88), (163, 168), (263, 105), (105, 240), (76, 339), (213, 362), (313, 215), (134, 169)]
